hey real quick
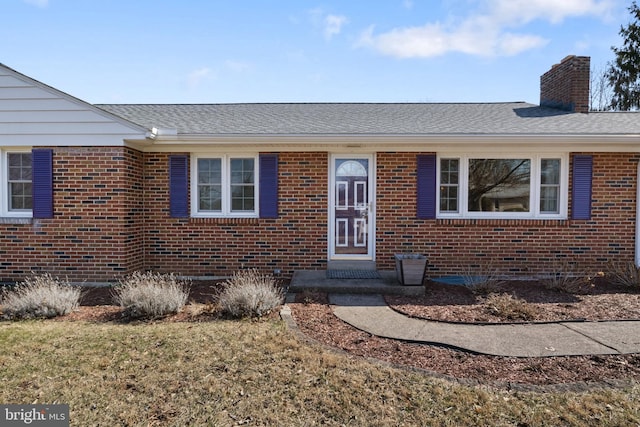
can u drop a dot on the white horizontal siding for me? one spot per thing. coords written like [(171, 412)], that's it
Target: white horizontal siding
[(9, 81), (34, 114), (66, 140), (50, 128), (51, 104), (54, 116), (25, 92)]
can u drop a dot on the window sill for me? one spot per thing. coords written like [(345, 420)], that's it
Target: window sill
[(505, 222), (15, 220), (223, 220)]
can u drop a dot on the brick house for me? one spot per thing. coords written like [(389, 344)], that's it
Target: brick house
[(92, 192)]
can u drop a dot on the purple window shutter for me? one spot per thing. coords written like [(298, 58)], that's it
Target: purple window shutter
[(268, 186), (42, 182), (426, 186), (178, 186), (581, 187)]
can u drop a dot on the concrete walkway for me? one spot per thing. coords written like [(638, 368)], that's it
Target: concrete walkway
[(370, 313)]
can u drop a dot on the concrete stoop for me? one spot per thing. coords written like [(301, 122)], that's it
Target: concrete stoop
[(317, 281)]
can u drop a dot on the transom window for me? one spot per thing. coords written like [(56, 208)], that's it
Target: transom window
[(224, 186), (16, 184), (503, 187)]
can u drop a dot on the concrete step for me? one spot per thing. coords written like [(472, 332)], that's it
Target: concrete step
[(317, 281)]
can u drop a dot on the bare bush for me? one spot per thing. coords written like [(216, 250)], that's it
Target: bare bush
[(508, 307), (250, 294), (624, 273), (150, 295), (565, 277), (482, 280), (40, 296)]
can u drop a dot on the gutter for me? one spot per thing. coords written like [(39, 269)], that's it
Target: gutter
[(166, 139)]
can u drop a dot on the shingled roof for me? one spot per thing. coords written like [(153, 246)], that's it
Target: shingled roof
[(511, 118)]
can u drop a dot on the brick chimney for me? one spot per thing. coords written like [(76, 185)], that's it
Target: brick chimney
[(566, 85)]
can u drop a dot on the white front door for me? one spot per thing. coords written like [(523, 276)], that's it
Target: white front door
[(351, 208)]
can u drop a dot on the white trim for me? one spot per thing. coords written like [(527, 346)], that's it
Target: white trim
[(534, 194), (371, 217), (359, 232), (341, 243), (358, 187), (226, 211), (4, 186), (339, 204), (369, 143)]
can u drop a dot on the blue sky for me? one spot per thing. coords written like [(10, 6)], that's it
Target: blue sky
[(220, 51)]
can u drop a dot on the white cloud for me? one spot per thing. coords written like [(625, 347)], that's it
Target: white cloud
[(554, 11), (486, 33), (512, 44), (39, 3), (196, 77), (331, 25), (407, 4), (435, 40)]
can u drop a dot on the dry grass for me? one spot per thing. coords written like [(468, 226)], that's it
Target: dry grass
[(565, 277), (256, 373), (482, 279), (508, 307), (40, 296), (625, 273), (151, 295), (250, 294)]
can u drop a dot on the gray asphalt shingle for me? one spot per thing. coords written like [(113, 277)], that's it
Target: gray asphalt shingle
[(375, 119)]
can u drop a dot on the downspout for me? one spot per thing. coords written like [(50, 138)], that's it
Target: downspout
[(637, 242)]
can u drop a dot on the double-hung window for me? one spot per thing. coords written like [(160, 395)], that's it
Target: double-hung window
[(224, 186), (16, 192), (519, 186)]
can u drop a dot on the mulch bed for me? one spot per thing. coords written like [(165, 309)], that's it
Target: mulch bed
[(96, 305), (596, 300), (603, 301), (315, 319)]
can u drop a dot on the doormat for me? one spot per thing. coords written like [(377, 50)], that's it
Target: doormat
[(352, 274)]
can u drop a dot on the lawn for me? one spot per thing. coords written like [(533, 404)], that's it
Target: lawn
[(256, 373)]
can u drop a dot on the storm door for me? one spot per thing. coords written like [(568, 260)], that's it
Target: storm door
[(351, 208)]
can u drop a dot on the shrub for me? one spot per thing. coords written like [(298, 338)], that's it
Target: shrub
[(482, 280), (625, 273), (565, 278), (40, 296), (149, 295), (507, 306), (250, 294)]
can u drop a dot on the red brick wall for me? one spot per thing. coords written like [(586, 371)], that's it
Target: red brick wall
[(209, 246), (109, 220), (566, 85), (96, 232), (520, 247)]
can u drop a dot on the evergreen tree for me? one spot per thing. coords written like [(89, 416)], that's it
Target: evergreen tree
[(624, 72)]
